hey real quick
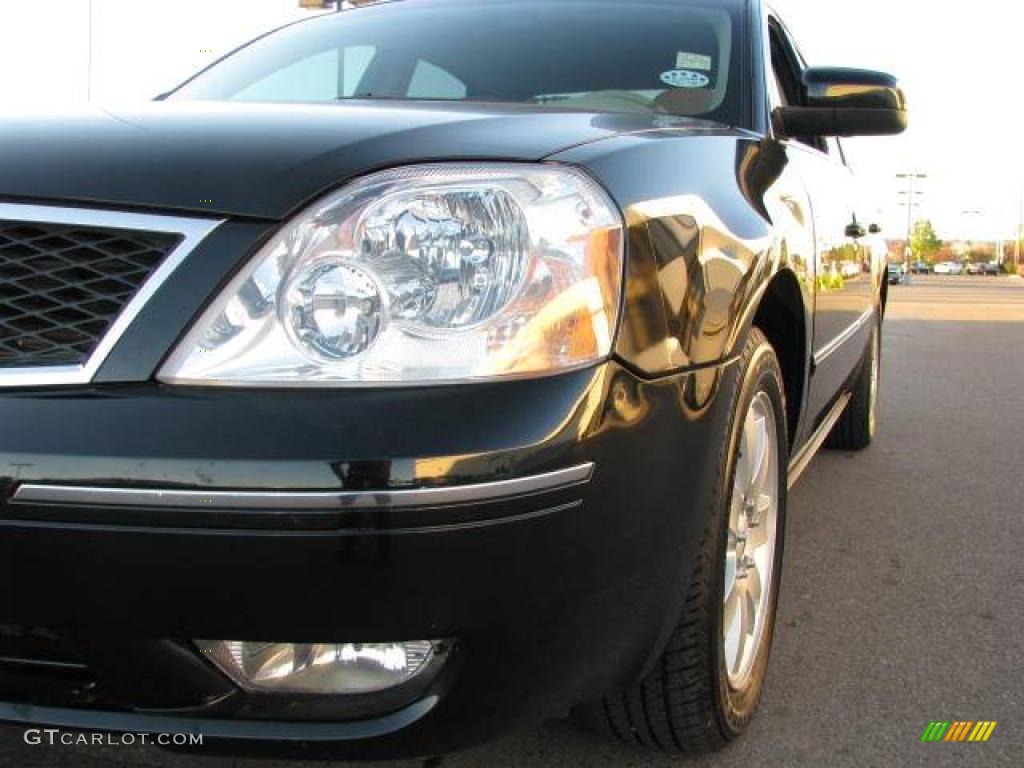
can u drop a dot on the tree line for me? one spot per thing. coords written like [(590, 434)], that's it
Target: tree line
[(926, 245)]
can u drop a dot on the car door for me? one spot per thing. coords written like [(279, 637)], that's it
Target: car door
[(843, 272)]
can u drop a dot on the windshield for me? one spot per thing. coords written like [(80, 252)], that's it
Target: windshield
[(674, 57)]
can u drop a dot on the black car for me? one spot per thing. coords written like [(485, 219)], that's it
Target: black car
[(422, 371), (991, 268), (921, 268), (896, 273)]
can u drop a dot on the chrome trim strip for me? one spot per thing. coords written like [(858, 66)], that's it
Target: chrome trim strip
[(269, 523), (193, 231), (825, 352), (44, 663), (75, 495), (802, 460)]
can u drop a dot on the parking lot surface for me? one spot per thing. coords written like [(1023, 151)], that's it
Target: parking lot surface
[(903, 589)]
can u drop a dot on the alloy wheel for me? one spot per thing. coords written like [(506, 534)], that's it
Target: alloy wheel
[(750, 553)]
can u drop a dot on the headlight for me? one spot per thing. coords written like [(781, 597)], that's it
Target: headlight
[(424, 274)]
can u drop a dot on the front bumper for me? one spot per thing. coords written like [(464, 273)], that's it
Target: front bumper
[(553, 594)]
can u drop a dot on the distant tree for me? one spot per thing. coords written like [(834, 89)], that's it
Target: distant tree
[(924, 242), (981, 252)]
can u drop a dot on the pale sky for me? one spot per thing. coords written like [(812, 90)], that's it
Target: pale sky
[(960, 63)]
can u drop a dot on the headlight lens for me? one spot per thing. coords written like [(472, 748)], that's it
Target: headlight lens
[(424, 274)]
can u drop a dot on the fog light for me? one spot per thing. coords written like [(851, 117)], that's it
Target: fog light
[(324, 668)]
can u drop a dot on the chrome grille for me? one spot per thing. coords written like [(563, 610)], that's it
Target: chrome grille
[(62, 286)]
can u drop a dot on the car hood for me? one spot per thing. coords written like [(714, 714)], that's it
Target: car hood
[(267, 160)]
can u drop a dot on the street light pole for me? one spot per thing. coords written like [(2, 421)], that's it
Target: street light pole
[(910, 192)]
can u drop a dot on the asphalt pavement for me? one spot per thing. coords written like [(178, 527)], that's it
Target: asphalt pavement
[(903, 589)]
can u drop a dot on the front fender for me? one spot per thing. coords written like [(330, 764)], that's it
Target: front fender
[(708, 217)]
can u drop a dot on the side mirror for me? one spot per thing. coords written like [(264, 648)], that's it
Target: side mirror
[(847, 102), (855, 230)]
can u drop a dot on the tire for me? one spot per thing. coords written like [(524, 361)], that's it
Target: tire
[(858, 425), (691, 703)]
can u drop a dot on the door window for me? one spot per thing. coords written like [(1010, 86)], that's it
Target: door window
[(787, 76), (835, 148), (432, 82)]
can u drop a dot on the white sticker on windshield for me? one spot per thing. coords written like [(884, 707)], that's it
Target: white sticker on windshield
[(693, 61), (685, 78)]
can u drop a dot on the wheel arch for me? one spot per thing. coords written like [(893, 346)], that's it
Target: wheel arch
[(782, 317)]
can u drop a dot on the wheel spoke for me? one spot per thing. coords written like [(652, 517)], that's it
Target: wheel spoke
[(730, 575), (760, 507), (752, 586), (735, 508), (740, 482), (756, 449), (757, 535), (732, 629), (746, 610), (749, 610)]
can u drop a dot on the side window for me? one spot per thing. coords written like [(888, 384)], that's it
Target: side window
[(835, 149), (775, 97), (357, 59), (784, 69), (432, 82), (324, 76), (786, 72)]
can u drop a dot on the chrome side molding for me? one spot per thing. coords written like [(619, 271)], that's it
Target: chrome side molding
[(802, 460), (829, 349), (91, 496)]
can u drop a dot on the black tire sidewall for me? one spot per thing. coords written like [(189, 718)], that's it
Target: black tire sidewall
[(762, 374)]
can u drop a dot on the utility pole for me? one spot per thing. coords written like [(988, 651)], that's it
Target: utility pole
[(911, 203)]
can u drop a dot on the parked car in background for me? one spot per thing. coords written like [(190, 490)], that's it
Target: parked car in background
[(948, 268), (921, 268), (460, 392), (850, 268), (896, 273), (992, 268), (974, 268)]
